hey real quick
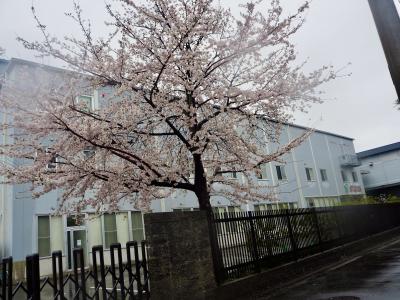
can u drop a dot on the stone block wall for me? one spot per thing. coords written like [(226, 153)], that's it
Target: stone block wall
[(180, 258)]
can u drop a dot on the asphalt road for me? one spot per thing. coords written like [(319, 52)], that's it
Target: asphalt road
[(375, 275)]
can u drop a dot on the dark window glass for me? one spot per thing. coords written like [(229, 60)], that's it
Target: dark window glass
[(324, 175), (310, 174), (281, 173)]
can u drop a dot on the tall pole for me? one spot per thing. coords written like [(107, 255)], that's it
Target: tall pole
[(387, 22)]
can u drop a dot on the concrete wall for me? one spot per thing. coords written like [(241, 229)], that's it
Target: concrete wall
[(179, 255)]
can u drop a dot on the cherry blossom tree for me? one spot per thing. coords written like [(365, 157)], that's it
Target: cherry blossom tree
[(196, 94)]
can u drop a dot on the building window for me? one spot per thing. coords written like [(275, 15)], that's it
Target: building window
[(86, 102), (281, 173), (186, 209), (310, 174), (232, 175), (324, 175), (89, 152), (110, 230), (354, 175), (344, 176), (323, 201), (262, 172), (44, 236), (275, 206), (181, 209), (53, 159), (137, 226)]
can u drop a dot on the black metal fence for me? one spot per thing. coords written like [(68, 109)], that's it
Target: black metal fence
[(119, 280), (247, 242)]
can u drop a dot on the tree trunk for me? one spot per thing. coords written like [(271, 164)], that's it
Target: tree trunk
[(200, 184), (203, 196)]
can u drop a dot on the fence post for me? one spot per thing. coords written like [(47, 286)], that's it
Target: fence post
[(56, 259), (216, 252), (79, 262), (120, 278), (317, 227), (256, 257), (131, 278), (291, 236), (113, 271), (6, 278), (102, 282), (33, 277), (145, 270)]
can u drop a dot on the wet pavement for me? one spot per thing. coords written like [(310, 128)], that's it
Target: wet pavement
[(375, 275)]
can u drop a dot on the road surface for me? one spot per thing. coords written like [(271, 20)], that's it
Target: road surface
[(373, 276)]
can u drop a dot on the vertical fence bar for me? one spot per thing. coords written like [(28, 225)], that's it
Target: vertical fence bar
[(113, 275), (102, 282), (120, 279), (290, 232), (29, 277), (316, 224), (33, 277), (121, 272), (6, 277), (79, 263), (145, 271), (129, 246), (82, 267), (95, 273), (217, 255), (75, 266), (256, 258), (56, 259), (137, 270)]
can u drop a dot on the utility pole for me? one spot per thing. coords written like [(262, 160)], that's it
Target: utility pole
[(387, 22)]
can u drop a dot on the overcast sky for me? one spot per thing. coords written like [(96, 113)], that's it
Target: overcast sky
[(336, 32)]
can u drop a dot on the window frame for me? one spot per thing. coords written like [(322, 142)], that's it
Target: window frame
[(263, 172), (104, 229), (47, 237), (131, 229), (234, 175), (52, 165), (177, 209), (78, 101), (282, 175), (324, 175), (310, 174)]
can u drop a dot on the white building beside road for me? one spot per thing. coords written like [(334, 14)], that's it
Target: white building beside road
[(380, 170)]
